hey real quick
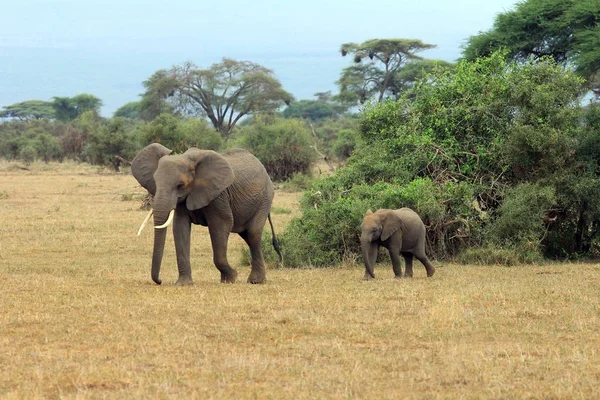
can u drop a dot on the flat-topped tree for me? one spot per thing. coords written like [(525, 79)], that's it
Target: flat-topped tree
[(376, 62), (30, 109), (224, 93)]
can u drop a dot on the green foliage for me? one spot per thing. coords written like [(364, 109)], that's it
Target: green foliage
[(327, 131), (131, 110), (309, 109), (180, 134), (47, 147), (378, 77), (324, 107), (31, 109), (159, 87), (488, 154), (69, 108), (565, 30), (31, 139), (298, 182), (521, 215), (345, 143), (223, 93), (107, 141), (282, 145), (27, 152)]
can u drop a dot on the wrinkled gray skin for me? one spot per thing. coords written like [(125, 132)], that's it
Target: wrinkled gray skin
[(228, 193), (401, 232)]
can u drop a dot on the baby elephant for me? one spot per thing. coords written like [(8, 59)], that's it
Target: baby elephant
[(401, 232)]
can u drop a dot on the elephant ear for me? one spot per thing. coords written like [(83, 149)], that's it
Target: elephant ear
[(391, 224), (145, 163), (213, 175)]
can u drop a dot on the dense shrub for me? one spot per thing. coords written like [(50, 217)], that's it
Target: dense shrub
[(110, 140), (31, 140), (491, 154), (347, 140), (282, 145), (180, 134)]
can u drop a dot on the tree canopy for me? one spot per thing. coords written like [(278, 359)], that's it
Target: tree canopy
[(322, 108), (131, 110), (224, 93), (376, 63), (69, 108), (566, 30), (30, 109)]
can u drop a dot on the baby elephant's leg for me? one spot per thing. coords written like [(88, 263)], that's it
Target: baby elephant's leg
[(428, 266), (408, 259)]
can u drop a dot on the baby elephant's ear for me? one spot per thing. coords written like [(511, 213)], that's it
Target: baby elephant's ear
[(145, 163), (213, 174), (391, 224)]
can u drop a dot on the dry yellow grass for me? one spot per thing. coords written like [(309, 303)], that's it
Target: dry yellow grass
[(80, 317)]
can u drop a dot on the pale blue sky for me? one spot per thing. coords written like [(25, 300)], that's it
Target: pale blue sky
[(108, 47)]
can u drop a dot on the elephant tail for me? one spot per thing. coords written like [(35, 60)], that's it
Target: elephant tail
[(276, 242)]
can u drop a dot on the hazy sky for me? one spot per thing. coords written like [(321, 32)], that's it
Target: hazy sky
[(108, 47)]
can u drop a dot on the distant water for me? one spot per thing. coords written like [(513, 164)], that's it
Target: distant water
[(116, 77)]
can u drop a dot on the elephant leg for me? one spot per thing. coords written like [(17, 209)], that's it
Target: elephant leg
[(408, 259), (181, 235), (396, 265), (254, 241), (219, 238), (425, 261)]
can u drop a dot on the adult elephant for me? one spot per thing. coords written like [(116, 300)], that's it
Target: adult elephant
[(228, 193)]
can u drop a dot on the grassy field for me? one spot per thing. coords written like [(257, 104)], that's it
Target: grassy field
[(80, 317)]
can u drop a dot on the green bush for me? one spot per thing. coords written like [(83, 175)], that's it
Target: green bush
[(105, 142), (345, 143), (47, 147), (28, 152), (282, 145), (180, 134), (521, 215), (490, 156), (298, 182)]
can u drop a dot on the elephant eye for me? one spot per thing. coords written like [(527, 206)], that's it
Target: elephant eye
[(180, 186)]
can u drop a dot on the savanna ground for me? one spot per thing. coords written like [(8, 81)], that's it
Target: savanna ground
[(80, 317)]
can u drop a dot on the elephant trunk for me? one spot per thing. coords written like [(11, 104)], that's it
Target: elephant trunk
[(160, 217), (157, 254), (369, 252)]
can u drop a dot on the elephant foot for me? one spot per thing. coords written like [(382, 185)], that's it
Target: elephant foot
[(229, 277), (430, 272), (408, 275), (368, 277), (257, 277), (398, 276), (184, 281)]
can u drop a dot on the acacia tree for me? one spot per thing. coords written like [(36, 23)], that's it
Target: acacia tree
[(224, 93), (375, 77), (566, 30), (69, 108), (30, 109)]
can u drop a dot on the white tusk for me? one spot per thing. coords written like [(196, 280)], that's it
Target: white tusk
[(169, 220), (144, 223)]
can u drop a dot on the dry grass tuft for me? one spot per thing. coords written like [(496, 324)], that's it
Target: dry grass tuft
[(81, 318)]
